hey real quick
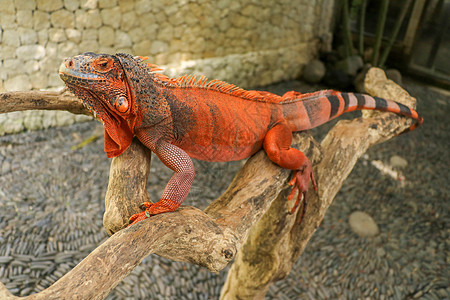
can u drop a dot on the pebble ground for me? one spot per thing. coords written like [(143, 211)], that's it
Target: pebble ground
[(52, 205)]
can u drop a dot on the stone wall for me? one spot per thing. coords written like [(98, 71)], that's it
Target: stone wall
[(246, 42)]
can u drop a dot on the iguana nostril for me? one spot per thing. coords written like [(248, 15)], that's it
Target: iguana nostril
[(69, 63)]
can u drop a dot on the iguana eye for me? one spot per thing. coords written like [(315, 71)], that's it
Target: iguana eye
[(102, 63)]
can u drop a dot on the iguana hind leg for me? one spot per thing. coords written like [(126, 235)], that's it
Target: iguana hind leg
[(277, 145)]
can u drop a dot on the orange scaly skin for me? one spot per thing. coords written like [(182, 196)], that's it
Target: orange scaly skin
[(186, 117)]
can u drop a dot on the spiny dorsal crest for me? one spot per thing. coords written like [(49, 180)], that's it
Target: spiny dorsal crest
[(191, 81)]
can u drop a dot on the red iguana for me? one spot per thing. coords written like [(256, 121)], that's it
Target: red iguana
[(184, 117)]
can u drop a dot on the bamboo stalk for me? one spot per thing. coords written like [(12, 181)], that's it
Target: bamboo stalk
[(394, 35), (362, 20), (347, 35), (380, 30)]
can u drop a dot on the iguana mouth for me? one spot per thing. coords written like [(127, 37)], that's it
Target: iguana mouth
[(76, 81), (71, 76)]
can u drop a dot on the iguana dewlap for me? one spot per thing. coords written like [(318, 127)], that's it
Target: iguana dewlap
[(180, 118)]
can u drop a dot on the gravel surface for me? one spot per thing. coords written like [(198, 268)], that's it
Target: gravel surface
[(52, 207)]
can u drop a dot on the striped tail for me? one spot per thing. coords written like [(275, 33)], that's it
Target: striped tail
[(323, 106)]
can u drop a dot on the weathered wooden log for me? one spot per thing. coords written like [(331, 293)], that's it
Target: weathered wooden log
[(127, 187), (44, 100), (276, 242), (187, 233), (252, 216)]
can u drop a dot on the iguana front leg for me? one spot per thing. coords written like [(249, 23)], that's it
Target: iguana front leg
[(277, 144), (178, 186)]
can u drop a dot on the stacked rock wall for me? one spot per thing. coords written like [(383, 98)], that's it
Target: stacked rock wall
[(247, 42)]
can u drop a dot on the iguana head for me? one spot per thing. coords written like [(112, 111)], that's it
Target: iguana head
[(101, 82)]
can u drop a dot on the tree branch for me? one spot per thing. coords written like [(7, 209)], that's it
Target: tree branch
[(276, 242), (251, 217), (45, 100)]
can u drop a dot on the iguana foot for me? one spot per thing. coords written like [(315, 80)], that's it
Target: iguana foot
[(151, 209), (300, 182)]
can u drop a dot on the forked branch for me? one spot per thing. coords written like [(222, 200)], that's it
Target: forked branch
[(249, 223)]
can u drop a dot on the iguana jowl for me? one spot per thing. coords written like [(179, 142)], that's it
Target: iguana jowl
[(184, 117)]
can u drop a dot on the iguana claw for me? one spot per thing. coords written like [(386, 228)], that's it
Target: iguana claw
[(300, 182), (151, 209)]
